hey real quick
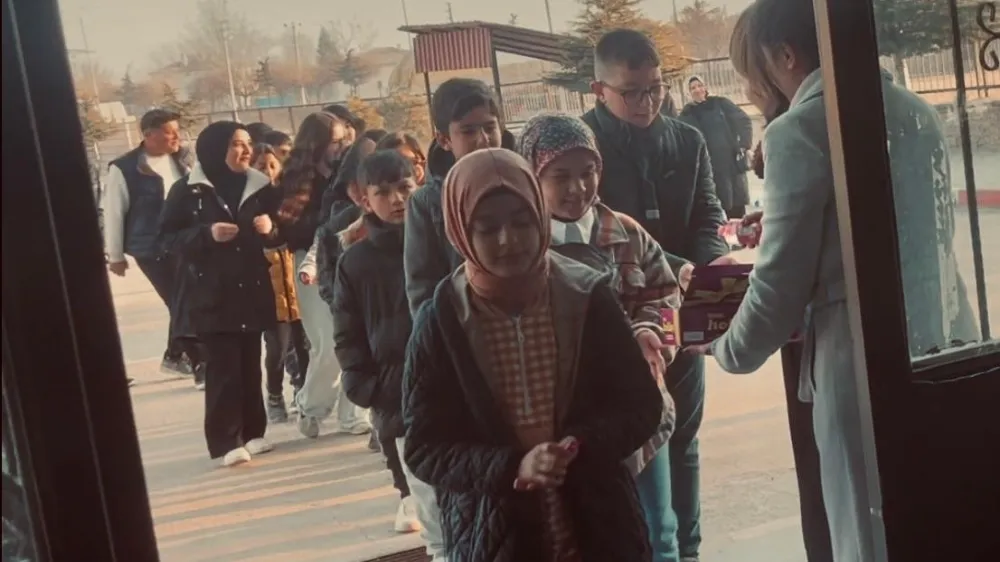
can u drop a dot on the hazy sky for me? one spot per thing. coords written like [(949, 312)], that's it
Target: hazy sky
[(123, 32)]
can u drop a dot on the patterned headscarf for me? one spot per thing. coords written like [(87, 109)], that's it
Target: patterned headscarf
[(472, 178), (548, 136)]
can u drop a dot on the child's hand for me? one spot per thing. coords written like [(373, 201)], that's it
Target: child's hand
[(545, 465), (653, 350), (684, 276), (306, 279), (262, 224), (224, 231)]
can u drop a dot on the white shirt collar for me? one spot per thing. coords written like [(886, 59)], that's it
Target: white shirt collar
[(584, 223)]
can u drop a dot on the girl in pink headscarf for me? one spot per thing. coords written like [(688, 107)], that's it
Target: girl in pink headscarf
[(525, 389)]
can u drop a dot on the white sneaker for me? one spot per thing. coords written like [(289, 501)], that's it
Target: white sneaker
[(236, 456), (360, 427), (308, 426), (406, 517), (258, 446)]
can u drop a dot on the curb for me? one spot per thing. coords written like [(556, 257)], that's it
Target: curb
[(987, 198)]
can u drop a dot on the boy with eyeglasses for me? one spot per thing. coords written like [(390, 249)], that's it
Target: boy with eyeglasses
[(657, 170)]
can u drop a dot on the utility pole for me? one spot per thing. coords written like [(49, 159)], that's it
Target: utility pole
[(92, 63), (548, 15), (674, 3), (406, 22), (451, 17), (229, 61), (298, 61)]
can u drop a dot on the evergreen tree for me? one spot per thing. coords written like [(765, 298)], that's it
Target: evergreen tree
[(354, 71), (328, 60), (135, 96), (185, 108), (597, 18), (95, 128)]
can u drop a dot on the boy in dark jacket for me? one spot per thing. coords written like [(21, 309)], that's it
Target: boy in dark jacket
[(657, 170), (370, 313), (466, 118)]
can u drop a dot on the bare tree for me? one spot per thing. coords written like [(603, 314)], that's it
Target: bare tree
[(202, 49)]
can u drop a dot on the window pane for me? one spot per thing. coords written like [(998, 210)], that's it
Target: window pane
[(949, 248)]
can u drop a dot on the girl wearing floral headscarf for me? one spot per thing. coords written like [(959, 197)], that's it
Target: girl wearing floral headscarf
[(563, 152), (510, 410)]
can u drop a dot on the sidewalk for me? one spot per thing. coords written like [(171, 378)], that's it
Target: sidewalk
[(330, 499)]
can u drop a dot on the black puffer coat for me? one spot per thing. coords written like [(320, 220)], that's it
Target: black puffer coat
[(223, 287), (458, 440), (372, 321), (328, 249), (727, 129)]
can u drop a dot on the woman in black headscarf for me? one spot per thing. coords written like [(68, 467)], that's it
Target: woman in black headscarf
[(218, 220)]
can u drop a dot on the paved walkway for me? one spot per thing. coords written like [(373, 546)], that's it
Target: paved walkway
[(331, 500)]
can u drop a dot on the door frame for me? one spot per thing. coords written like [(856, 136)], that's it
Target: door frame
[(63, 371), (921, 421)]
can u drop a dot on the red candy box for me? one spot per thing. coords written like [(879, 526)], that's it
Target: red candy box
[(711, 301)]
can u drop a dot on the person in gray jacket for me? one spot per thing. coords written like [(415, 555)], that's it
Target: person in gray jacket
[(799, 273)]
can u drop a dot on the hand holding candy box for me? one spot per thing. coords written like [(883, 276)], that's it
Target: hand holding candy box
[(712, 299)]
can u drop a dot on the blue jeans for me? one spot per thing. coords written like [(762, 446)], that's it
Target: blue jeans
[(686, 382), (653, 485)]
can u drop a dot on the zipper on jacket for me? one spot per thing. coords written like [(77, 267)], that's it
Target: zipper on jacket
[(523, 364)]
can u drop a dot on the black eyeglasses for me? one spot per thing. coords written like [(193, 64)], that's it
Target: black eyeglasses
[(634, 96)]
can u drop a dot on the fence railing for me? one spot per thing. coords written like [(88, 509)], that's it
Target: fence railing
[(931, 75)]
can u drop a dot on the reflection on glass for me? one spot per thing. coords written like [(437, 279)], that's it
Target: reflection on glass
[(948, 248), (18, 541)]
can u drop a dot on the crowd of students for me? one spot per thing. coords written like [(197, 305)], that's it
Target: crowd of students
[(496, 304)]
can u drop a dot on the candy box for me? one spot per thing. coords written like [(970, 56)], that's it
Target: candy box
[(711, 301), (670, 326)]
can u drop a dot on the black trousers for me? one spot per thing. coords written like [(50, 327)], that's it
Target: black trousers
[(234, 401), (282, 342), (395, 465), (162, 275), (815, 530)]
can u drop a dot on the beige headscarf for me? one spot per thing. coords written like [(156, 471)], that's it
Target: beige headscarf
[(472, 178)]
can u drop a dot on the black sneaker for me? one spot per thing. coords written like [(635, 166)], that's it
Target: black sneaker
[(179, 365), (276, 411), (373, 444), (199, 377)]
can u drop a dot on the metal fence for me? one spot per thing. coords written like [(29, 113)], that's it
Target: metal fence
[(930, 75)]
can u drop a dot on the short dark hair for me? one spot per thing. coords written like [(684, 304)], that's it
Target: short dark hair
[(156, 118), (399, 139), (455, 98), (258, 131), (275, 137), (624, 47), (260, 149), (786, 22), (340, 111), (375, 134), (350, 164), (383, 166)]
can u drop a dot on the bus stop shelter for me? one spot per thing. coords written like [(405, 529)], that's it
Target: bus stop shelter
[(475, 44)]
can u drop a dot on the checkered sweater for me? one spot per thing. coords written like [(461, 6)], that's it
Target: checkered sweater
[(524, 357)]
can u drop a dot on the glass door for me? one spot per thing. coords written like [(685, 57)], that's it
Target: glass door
[(915, 152)]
